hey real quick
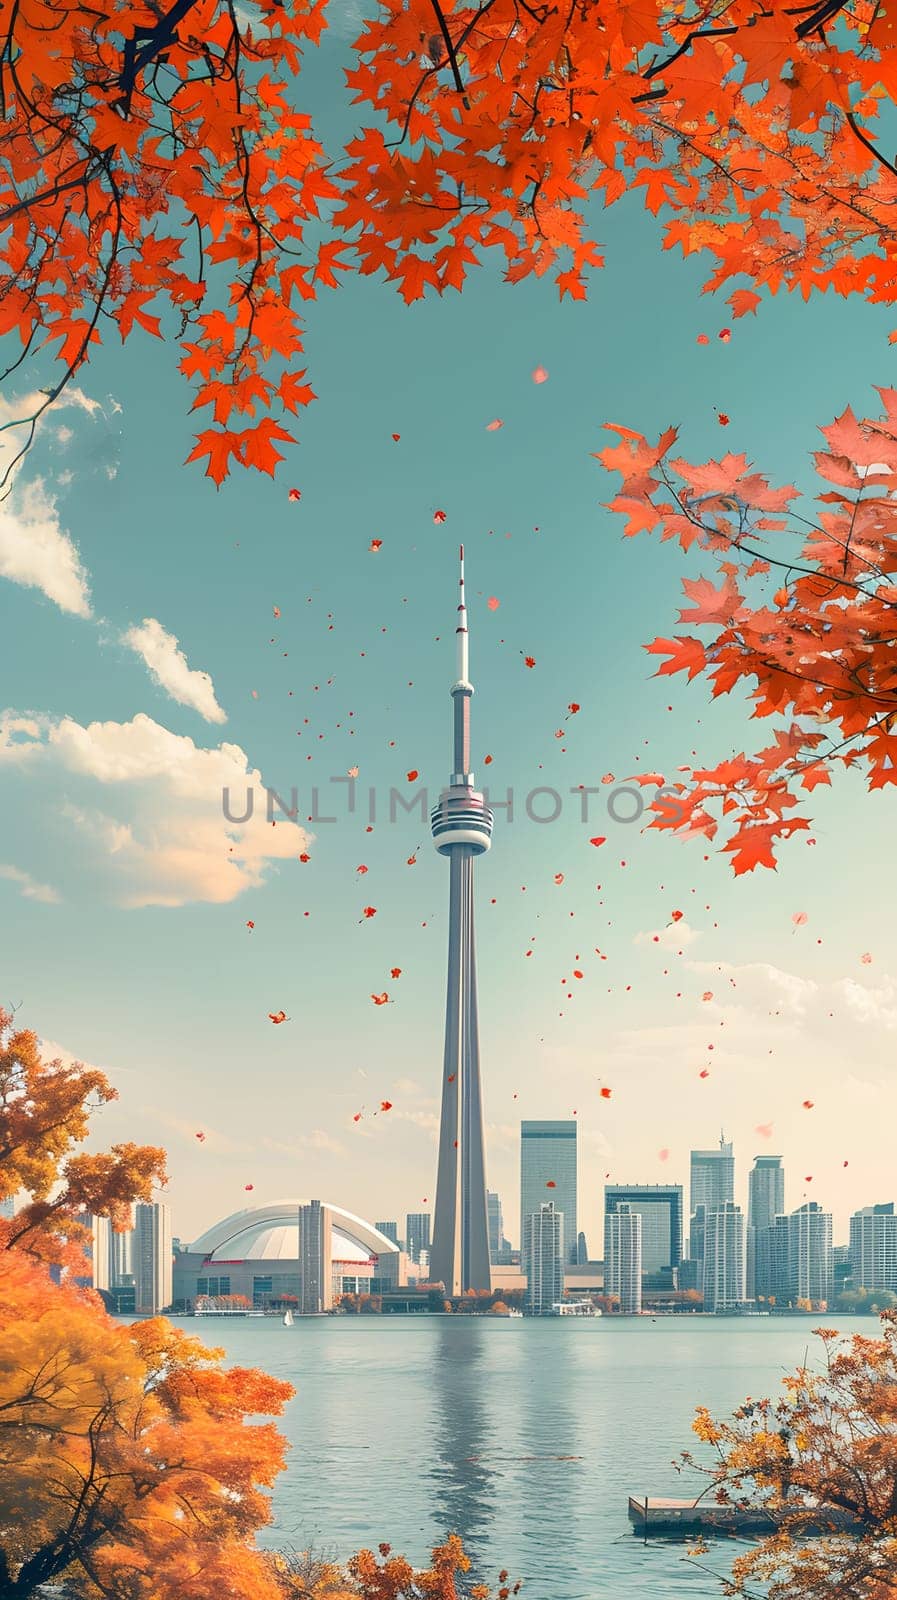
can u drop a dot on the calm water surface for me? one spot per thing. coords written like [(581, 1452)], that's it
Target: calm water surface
[(404, 1428)]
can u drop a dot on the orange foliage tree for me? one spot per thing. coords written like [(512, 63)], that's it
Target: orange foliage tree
[(804, 615), (828, 1445), (386, 1577), (155, 161), (45, 1109)]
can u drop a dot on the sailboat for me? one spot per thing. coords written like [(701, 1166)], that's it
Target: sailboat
[(288, 1318)]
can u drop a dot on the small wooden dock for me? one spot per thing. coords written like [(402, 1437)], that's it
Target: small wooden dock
[(671, 1518)]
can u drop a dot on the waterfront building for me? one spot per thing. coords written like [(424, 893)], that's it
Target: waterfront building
[(582, 1250), (766, 1192), (548, 1155), (315, 1256), (724, 1258), (152, 1259), (256, 1253), (873, 1248), (712, 1185), (660, 1208), (461, 824), (499, 1247), (543, 1236), (389, 1230), (121, 1256), (101, 1254), (417, 1235), (623, 1257), (810, 1270)]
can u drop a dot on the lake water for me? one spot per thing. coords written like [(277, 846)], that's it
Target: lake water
[(526, 1437)]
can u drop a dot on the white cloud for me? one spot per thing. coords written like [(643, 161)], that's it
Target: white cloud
[(156, 833), (31, 889), (870, 1004), (36, 552), (167, 664), (19, 411)]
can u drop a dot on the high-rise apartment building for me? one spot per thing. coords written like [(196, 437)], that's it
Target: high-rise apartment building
[(660, 1208), (810, 1257), (315, 1258), (499, 1248), (390, 1230), (623, 1228), (548, 1157), (873, 1248), (101, 1253), (417, 1234), (724, 1258), (766, 1192), (712, 1176), (152, 1259), (543, 1243)]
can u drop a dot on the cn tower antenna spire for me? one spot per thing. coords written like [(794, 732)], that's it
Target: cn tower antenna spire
[(461, 629)]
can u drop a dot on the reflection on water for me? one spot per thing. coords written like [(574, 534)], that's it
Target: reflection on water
[(525, 1437)]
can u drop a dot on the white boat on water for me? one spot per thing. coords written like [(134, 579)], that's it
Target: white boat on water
[(288, 1318), (514, 1312)]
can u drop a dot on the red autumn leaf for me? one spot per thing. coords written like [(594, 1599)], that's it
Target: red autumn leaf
[(492, 427), (550, 1184), (369, 911), (250, 924), (539, 375), (277, 1016), (601, 839), (529, 661), (722, 419), (413, 775), (380, 999), (295, 494), (493, 603), (438, 516), (385, 1105), (676, 916), (375, 544), (395, 972), (606, 1093)]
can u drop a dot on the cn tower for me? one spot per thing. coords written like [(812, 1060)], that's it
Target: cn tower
[(462, 828)]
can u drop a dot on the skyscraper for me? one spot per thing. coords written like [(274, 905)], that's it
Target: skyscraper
[(548, 1156), (543, 1239), (660, 1208), (152, 1263), (498, 1244), (417, 1234), (315, 1259), (623, 1257), (712, 1176), (101, 1253), (724, 1258), (766, 1191), (462, 829), (873, 1247), (810, 1258), (390, 1230)]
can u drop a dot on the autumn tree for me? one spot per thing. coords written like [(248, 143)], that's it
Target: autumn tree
[(802, 619), (128, 1458), (828, 1444), (45, 1111), (385, 1576), (158, 172)]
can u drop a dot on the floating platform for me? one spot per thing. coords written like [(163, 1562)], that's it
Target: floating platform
[(664, 1517)]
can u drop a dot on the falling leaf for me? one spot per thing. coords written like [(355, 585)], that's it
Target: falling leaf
[(807, 1105), (725, 334), (799, 918), (352, 772), (529, 661), (559, 877), (606, 1093), (539, 375), (413, 775), (202, 1139), (573, 708), (361, 870), (369, 911), (250, 924), (551, 1184), (305, 857), (438, 516), (248, 1187), (704, 1072), (676, 916), (385, 1105), (703, 338), (295, 494), (357, 1117), (375, 545), (397, 437), (380, 999), (493, 602), (395, 972), (277, 1016), (601, 839), (723, 419), (487, 761), (866, 958), (707, 995), (494, 425), (277, 611)]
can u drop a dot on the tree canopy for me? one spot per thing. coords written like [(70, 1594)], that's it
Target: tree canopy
[(157, 155), (828, 1442)]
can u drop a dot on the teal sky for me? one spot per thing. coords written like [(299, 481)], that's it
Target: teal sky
[(173, 999)]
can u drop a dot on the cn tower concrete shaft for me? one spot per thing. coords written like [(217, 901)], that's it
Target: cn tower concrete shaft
[(462, 829)]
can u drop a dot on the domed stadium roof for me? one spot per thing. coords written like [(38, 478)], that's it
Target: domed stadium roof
[(271, 1233)]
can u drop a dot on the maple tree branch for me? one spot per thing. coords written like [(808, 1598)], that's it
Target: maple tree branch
[(706, 33), (852, 123), (453, 59)]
